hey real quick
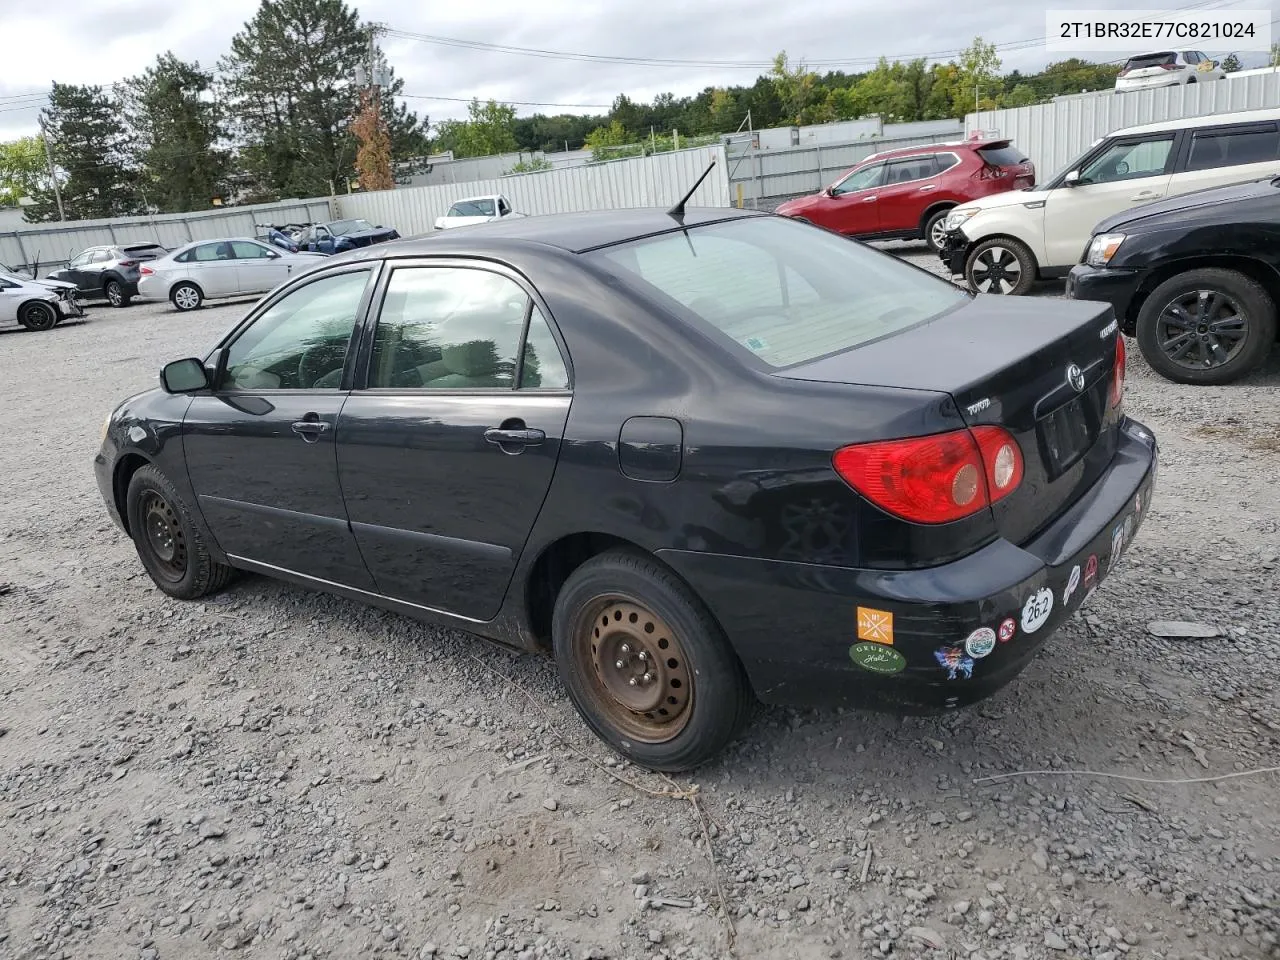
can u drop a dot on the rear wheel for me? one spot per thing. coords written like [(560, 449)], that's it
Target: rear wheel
[(646, 666), (186, 296), (934, 231), (1001, 265), (168, 543), (115, 294), (38, 315), (1209, 326)]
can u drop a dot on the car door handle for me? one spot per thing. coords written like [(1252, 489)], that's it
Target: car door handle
[(868, 199), (514, 437), (932, 186), (1145, 195), (310, 430)]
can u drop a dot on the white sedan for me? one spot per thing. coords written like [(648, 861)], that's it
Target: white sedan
[(476, 210), (212, 269), (36, 304)]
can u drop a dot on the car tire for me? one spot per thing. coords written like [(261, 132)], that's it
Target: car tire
[(1016, 266), (169, 544), (38, 315), (624, 607), (186, 296), (933, 232), (1157, 326), (114, 291)]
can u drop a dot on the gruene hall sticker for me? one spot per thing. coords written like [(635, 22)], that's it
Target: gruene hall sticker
[(877, 658)]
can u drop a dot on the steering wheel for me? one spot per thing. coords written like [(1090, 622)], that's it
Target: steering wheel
[(316, 362)]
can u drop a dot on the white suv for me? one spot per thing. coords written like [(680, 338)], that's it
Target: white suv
[(1169, 68), (1005, 242)]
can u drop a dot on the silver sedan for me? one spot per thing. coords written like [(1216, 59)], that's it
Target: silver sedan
[(212, 269)]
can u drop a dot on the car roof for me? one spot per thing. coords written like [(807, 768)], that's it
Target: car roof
[(574, 232), (1211, 120)]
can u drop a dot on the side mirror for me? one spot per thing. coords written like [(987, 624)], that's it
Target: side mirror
[(1072, 179), (184, 376), (1217, 63)]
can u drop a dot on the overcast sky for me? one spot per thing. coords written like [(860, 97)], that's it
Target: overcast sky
[(102, 41)]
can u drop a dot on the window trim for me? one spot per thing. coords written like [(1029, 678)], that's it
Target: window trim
[(921, 156), (364, 360), (218, 355)]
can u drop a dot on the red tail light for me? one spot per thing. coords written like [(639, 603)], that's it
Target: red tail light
[(147, 272), (128, 263), (1117, 372), (1170, 66), (936, 479)]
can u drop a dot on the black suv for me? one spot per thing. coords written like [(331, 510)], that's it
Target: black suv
[(109, 273), (1195, 278)]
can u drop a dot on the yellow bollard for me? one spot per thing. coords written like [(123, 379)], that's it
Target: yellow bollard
[(739, 196)]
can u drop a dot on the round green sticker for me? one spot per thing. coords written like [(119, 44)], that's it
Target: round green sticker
[(877, 658)]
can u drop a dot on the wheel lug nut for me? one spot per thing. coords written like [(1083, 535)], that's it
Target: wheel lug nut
[(648, 678), (633, 682), (619, 664), (643, 655), (625, 648)]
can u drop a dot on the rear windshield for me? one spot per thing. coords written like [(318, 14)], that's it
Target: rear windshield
[(1002, 156), (786, 291), (151, 248), (1151, 60)]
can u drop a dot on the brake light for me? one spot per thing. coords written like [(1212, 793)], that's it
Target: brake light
[(147, 272), (935, 479), (128, 263), (1117, 372), (1170, 66)]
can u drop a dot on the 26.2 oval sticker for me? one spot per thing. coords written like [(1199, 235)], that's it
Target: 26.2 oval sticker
[(877, 658), (1036, 610)]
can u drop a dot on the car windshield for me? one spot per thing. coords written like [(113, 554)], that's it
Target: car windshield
[(472, 208), (340, 228), (786, 291)]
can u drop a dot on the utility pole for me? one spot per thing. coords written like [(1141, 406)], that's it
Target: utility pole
[(53, 174)]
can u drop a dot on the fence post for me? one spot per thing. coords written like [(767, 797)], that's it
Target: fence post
[(818, 150), (22, 252)]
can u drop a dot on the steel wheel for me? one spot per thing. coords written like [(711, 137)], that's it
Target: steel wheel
[(164, 537), (38, 316), (639, 676), (996, 270), (1202, 329)]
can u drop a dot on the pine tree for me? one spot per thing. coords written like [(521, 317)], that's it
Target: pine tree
[(176, 132), (90, 152)]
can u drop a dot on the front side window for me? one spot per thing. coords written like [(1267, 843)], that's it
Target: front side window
[(448, 328), (863, 179), (780, 289), (300, 342), (83, 259), (1129, 160)]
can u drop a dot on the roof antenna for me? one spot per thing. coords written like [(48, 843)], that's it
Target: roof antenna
[(678, 210)]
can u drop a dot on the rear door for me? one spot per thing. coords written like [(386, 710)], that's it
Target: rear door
[(908, 185), (1218, 156), (446, 452), (1126, 172)]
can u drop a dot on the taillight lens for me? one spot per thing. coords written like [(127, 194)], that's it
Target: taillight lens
[(147, 271), (1170, 66), (128, 263), (935, 479), (1117, 372)]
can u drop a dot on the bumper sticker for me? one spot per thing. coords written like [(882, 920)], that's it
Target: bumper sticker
[(1091, 571), (1007, 629), (1036, 610), (980, 643), (954, 661), (875, 625), (877, 658), (1073, 581)]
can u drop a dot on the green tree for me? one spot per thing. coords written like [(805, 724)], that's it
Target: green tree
[(723, 114), (1231, 63), (1023, 95), (979, 78), (532, 165), (23, 169), (603, 141), (882, 92), (489, 130), (176, 134), (91, 152), (795, 88)]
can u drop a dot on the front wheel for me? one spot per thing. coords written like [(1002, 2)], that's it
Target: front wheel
[(186, 296), (38, 315), (1001, 265), (169, 545), (1208, 326), (646, 666), (935, 230)]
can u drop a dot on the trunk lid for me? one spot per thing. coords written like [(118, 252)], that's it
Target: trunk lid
[(1150, 65), (1006, 361)]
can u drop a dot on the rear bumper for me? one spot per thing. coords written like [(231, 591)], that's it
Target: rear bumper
[(1117, 287), (152, 288), (797, 627), (954, 251)]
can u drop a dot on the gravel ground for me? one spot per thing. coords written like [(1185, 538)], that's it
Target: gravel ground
[(278, 773)]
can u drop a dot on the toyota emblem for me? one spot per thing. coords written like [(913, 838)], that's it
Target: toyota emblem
[(1075, 377)]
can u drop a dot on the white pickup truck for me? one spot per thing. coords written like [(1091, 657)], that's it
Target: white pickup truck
[(476, 210)]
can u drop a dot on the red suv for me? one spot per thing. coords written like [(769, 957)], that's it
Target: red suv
[(905, 194)]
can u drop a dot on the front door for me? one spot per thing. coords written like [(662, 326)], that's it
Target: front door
[(260, 446), (213, 266), (1128, 173), (850, 206), (258, 269), (447, 453)]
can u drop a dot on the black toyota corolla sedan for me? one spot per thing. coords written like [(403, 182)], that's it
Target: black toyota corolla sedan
[(703, 458)]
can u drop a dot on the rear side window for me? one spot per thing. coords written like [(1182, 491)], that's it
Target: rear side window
[(908, 169), (783, 290), (1009, 156), (1151, 60), (1257, 143), (945, 161)]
